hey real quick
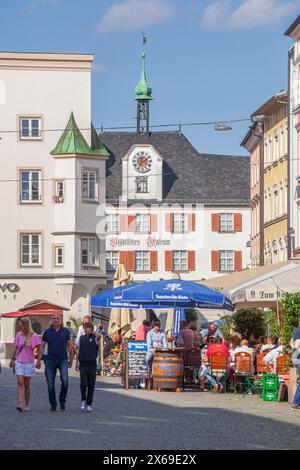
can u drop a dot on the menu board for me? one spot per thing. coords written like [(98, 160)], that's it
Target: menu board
[(137, 365)]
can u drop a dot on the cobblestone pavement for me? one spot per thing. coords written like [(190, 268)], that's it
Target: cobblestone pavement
[(139, 419)]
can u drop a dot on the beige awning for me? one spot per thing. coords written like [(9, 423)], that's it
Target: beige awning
[(260, 287)]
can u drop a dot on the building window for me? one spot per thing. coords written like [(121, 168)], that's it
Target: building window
[(30, 128), (88, 251), (59, 195), (276, 146), (142, 223), (30, 186), (226, 222), (142, 261), (59, 256), (180, 223), (226, 260), (112, 260), (141, 184), (89, 185), (180, 261), (275, 201), (30, 249), (112, 223)]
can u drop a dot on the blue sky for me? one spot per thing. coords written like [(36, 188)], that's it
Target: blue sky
[(206, 60)]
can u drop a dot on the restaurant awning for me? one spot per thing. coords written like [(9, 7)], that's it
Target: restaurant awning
[(25, 313), (37, 307), (260, 287)]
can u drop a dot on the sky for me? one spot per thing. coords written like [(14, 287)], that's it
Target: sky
[(206, 61)]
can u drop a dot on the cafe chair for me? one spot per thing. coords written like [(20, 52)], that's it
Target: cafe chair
[(283, 364), (192, 364), (243, 373), (219, 366)]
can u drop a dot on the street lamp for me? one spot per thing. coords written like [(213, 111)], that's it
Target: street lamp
[(222, 126)]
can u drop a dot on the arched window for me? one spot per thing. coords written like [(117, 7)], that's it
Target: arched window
[(274, 251)]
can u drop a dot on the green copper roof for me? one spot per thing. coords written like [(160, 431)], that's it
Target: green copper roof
[(96, 144), (143, 90), (72, 141)]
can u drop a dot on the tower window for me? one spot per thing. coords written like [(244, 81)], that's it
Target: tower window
[(141, 183)]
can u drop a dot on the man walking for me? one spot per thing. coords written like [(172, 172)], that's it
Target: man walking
[(58, 341), (295, 344), (86, 363)]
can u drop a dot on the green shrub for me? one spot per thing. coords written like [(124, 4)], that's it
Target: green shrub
[(291, 306)]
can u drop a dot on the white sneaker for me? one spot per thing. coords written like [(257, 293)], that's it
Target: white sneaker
[(82, 406), (89, 408)]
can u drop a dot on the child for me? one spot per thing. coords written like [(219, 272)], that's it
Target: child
[(87, 357)]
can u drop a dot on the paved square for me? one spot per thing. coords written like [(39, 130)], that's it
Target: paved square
[(139, 419)]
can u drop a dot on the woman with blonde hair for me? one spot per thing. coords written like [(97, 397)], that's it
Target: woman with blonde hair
[(23, 360)]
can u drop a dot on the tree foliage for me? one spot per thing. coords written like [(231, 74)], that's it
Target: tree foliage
[(245, 322), (75, 322), (191, 315), (291, 306)]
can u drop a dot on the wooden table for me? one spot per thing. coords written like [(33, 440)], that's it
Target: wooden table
[(168, 368)]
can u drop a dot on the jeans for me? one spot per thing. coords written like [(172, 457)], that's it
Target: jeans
[(149, 359), (87, 381), (297, 394), (51, 367), (211, 379)]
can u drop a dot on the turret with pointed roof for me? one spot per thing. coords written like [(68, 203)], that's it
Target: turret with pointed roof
[(72, 142)]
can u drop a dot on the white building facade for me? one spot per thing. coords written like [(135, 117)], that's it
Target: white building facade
[(52, 182), (169, 209), (156, 236), (294, 140)]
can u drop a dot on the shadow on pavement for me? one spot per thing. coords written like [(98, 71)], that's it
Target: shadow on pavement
[(131, 420)]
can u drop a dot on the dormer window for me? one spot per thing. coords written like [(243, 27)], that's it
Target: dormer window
[(141, 184)]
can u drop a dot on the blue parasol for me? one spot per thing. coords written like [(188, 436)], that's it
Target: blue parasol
[(162, 294), (179, 315)]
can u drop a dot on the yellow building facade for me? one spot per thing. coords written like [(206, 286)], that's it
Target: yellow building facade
[(275, 176)]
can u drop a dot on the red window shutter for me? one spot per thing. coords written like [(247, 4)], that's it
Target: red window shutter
[(237, 222), (130, 260), (168, 260), (191, 261), (153, 261), (238, 260), (123, 223), (215, 261), (215, 222), (191, 222), (169, 222), (123, 258), (153, 223), (131, 223)]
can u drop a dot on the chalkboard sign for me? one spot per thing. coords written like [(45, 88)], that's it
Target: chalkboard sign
[(137, 365)]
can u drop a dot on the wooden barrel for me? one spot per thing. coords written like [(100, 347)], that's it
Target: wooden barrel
[(167, 369)]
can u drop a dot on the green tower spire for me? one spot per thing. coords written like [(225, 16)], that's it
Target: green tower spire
[(143, 90)]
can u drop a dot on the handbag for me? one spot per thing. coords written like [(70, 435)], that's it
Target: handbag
[(19, 352)]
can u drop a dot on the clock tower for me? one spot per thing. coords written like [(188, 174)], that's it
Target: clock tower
[(143, 93)]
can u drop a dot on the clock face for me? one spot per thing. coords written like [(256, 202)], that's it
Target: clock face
[(142, 161)]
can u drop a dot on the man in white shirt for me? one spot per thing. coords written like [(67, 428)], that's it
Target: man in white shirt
[(244, 347), (86, 319), (271, 357)]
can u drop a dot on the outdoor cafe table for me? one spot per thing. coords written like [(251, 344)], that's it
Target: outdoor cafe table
[(168, 368)]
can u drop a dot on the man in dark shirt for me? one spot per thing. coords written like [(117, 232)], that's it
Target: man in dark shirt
[(58, 340)]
